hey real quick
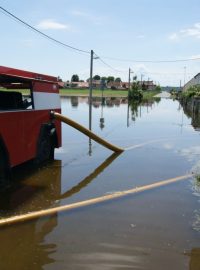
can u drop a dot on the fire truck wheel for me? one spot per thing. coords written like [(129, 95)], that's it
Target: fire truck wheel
[(46, 144), (5, 175)]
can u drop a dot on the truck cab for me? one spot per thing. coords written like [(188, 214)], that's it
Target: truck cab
[(27, 131)]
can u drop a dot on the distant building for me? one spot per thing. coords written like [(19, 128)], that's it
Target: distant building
[(83, 84), (79, 84), (192, 82), (125, 85), (114, 85), (61, 85), (147, 85)]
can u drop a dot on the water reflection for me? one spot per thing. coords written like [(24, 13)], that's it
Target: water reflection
[(194, 259), (37, 190), (41, 189), (87, 180), (192, 110), (24, 247), (137, 108), (98, 101), (33, 189), (74, 102), (102, 120)]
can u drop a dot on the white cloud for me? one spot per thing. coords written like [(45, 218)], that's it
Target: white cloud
[(193, 31), (191, 153), (51, 24)]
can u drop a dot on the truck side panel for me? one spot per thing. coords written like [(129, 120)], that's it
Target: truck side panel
[(20, 131)]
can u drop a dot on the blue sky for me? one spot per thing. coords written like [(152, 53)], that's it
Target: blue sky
[(129, 30)]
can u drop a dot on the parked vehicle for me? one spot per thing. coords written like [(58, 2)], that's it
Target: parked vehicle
[(27, 130)]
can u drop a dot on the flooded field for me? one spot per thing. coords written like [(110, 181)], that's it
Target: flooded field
[(155, 229)]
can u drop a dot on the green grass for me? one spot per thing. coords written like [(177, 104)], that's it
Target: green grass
[(23, 91), (106, 93), (150, 94), (95, 92)]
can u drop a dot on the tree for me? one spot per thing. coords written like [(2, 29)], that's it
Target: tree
[(104, 78), (75, 78), (96, 77), (118, 79), (158, 88), (135, 93), (110, 79), (144, 87), (59, 79)]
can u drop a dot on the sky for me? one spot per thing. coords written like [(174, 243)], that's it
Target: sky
[(124, 34)]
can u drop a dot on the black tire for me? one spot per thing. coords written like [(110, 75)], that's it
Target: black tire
[(5, 174), (46, 144)]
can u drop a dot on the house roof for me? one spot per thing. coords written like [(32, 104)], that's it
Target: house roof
[(198, 74)]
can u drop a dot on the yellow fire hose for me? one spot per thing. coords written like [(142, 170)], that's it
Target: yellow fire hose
[(86, 131), (52, 211)]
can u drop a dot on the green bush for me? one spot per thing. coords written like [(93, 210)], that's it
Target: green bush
[(135, 93), (193, 91)]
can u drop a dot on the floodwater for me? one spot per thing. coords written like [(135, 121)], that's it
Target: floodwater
[(155, 229)]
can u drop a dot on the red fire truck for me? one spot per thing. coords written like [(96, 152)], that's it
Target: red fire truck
[(27, 131)]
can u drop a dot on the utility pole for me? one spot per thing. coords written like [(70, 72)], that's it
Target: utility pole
[(129, 79), (141, 80), (90, 100), (91, 87)]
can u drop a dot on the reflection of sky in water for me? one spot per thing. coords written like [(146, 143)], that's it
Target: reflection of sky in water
[(163, 120), (192, 154)]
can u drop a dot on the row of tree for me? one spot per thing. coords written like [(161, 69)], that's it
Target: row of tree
[(75, 78)]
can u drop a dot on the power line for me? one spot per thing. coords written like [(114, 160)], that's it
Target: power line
[(106, 64), (6, 12), (3, 10), (151, 61), (100, 58)]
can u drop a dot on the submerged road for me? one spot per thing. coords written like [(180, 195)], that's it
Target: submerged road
[(163, 94)]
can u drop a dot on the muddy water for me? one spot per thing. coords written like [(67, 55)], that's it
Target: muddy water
[(157, 229)]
